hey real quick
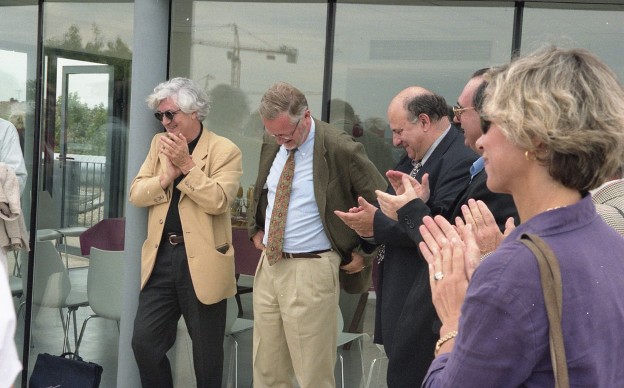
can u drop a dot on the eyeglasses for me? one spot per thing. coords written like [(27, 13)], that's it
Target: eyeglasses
[(485, 124), (458, 110), (168, 114), (284, 137)]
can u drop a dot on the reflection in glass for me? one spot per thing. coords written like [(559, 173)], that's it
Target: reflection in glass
[(238, 50), (82, 171), (602, 31), (17, 101), (436, 47)]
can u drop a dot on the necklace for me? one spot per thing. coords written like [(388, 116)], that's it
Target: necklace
[(553, 208)]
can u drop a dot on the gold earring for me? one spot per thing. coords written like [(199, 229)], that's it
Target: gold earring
[(526, 155)]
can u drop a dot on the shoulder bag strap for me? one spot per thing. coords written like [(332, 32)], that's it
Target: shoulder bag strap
[(550, 276)]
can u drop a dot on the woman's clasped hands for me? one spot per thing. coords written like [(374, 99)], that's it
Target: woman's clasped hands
[(452, 254)]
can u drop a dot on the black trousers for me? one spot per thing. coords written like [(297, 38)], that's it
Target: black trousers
[(168, 294)]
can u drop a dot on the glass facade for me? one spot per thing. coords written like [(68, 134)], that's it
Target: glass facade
[(596, 28), (77, 123), (381, 49), (65, 83), (236, 50)]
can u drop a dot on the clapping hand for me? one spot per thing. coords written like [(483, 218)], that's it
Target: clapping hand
[(484, 226), (406, 189), (359, 218), (451, 264)]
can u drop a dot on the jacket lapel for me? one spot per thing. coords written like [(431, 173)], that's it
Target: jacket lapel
[(200, 153), (320, 170), (267, 154)]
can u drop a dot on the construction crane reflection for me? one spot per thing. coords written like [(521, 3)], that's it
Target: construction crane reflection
[(235, 48)]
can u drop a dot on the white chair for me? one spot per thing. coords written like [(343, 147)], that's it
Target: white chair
[(17, 289), (378, 369), (345, 338), (52, 287), (52, 230), (104, 286), (234, 326)]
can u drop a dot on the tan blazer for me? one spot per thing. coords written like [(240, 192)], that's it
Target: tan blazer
[(206, 195)]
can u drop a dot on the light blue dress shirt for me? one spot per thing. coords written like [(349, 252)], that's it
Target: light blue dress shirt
[(304, 229)]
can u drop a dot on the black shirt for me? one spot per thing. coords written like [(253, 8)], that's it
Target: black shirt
[(172, 222)]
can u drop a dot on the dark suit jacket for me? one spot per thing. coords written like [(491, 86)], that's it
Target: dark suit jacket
[(404, 275), (342, 171), (409, 329), (501, 206)]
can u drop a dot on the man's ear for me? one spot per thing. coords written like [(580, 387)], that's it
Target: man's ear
[(424, 120)]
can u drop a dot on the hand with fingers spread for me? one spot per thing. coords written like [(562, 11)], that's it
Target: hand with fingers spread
[(408, 190), (360, 218), (484, 226), (421, 189)]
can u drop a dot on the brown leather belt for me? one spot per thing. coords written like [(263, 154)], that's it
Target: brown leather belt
[(175, 239), (304, 255)]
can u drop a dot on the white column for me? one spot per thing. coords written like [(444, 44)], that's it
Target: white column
[(149, 68)]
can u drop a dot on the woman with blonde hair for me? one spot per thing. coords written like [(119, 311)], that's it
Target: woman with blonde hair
[(553, 128)]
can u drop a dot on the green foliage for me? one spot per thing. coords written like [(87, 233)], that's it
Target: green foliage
[(72, 40), (86, 127)]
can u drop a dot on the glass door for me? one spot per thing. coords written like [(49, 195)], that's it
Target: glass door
[(85, 137)]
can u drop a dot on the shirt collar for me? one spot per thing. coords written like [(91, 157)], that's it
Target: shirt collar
[(307, 144), (434, 145), (476, 167)]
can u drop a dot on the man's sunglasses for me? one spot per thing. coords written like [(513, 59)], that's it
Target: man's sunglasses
[(168, 114)]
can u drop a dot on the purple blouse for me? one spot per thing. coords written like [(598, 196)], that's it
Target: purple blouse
[(503, 329)]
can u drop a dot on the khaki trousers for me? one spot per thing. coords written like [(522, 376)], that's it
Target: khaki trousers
[(295, 303)]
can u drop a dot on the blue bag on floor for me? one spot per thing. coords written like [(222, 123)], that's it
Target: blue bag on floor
[(65, 371)]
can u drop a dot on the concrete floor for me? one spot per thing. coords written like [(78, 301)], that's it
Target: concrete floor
[(100, 343)]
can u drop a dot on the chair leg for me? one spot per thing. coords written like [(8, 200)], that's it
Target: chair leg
[(235, 362), (84, 326), (372, 373), (341, 371), (17, 266), (66, 347), (70, 311), (21, 307), (75, 328), (240, 305)]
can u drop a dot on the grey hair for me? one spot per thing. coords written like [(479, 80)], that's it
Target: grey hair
[(280, 98), (185, 93)]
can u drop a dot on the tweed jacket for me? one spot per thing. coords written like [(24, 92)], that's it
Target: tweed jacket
[(609, 200), (206, 195), (342, 172)]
